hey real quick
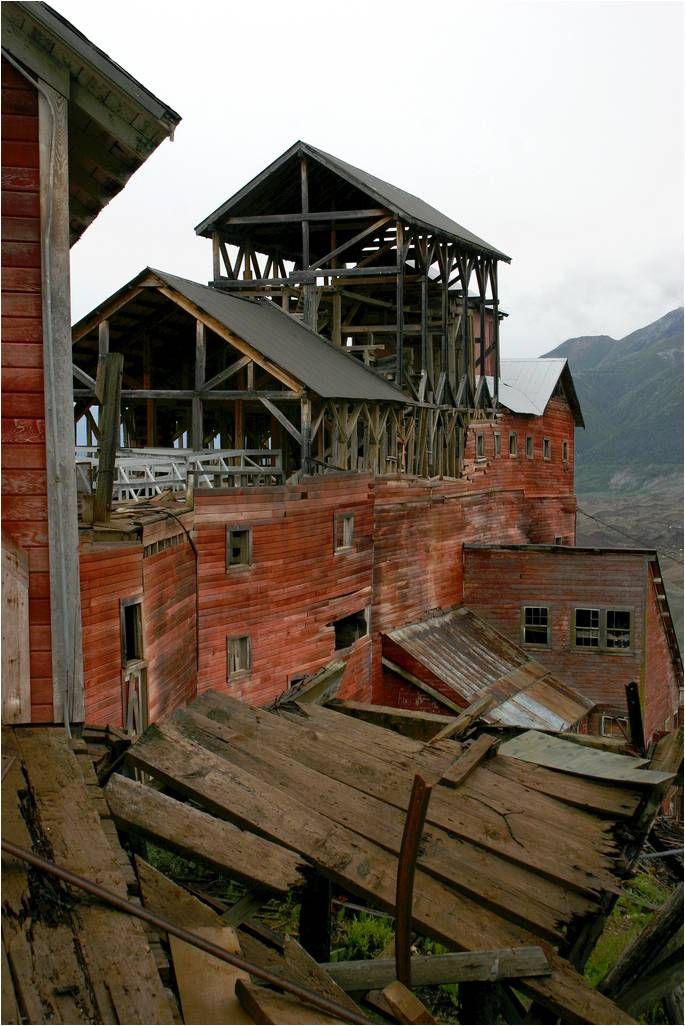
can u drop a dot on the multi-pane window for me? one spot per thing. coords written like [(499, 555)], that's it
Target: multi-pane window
[(498, 444), (603, 628), (513, 444), (238, 546), (529, 447), (480, 445), (547, 448), (239, 656), (343, 531), (587, 628), (535, 625)]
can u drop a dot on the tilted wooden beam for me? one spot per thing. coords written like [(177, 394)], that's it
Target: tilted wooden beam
[(282, 419)]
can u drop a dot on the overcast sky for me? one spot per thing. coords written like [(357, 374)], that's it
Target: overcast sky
[(552, 129)]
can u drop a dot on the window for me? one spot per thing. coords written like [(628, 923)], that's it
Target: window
[(239, 656), (480, 446), (609, 629), (513, 444), (344, 531), (351, 628), (498, 444), (564, 451), (547, 448), (614, 726), (587, 628), (238, 546), (529, 447), (535, 625), (131, 630)]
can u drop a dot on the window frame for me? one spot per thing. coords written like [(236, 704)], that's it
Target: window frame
[(602, 630), (547, 625), (344, 517), (480, 445), (234, 529), (137, 660), (614, 718), (513, 437), (530, 447), (244, 671), (564, 452), (366, 611), (497, 435), (547, 448)]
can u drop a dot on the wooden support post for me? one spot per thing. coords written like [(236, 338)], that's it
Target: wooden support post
[(426, 363), (150, 419), (495, 325), (482, 286), (315, 918), (336, 333), (637, 734), (197, 436), (399, 302), (304, 191), (238, 425), (113, 366), (216, 255), (465, 268), (406, 868), (306, 432), (103, 338)]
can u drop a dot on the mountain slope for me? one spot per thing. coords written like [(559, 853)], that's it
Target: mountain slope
[(631, 394)]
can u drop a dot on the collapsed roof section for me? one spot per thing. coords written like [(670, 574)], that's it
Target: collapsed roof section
[(459, 657), (115, 123)]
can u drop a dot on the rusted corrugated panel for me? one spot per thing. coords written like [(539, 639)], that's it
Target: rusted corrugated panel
[(469, 656)]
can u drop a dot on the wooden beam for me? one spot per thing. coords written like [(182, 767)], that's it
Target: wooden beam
[(282, 419), (350, 242), (63, 543), (124, 132), (113, 366), (196, 432), (318, 215), (85, 378), (304, 192)]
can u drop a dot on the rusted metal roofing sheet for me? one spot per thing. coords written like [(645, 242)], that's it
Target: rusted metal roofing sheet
[(526, 386), (471, 657), (558, 754)]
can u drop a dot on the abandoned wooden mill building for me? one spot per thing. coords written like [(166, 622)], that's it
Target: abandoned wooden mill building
[(289, 541)]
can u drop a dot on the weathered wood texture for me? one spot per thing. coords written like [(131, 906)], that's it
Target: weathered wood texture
[(73, 961), (16, 666), (24, 486), (563, 580)]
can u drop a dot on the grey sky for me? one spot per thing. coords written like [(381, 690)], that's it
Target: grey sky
[(552, 129)]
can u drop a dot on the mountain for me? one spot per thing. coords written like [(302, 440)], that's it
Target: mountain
[(631, 395)]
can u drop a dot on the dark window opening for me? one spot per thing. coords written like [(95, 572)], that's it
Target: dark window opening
[(564, 451), (529, 447), (535, 625), (513, 444), (132, 630), (587, 628), (480, 446), (350, 629), (238, 546), (547, 448), (498, 444), (344, 531), (239, 656), (618, 628)]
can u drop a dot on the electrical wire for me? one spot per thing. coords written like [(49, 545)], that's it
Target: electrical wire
[(663, 553)]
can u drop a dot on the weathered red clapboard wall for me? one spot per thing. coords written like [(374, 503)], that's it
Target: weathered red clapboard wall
[(392, 689), (497, 583), (164, 581), (24, 489), (661, 695), (296, 586)]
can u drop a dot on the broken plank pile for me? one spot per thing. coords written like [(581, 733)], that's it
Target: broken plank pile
[(513, 854)]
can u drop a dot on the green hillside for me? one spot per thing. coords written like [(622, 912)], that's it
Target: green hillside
[(631, 394)]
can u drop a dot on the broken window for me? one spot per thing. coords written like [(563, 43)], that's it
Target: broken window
[(498, 444), (617, 628), (513, 443), (344, 531), (351, 628), (535, 625), (529, 447), (480, 446), (586, 628), (239, 656), (614, 726), (238, 546), (131, 631), (547, 448)]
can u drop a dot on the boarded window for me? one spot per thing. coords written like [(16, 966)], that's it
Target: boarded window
[(498, 444), (547, 448), (480, 445), (617, 628), (513, 443), (586, 628), (238, 546), (535, 625), (239, 656), (344, 531), (529, 447), (564, 451), (351, 628)]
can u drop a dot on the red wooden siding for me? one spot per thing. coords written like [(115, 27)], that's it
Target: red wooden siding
[(24, 489), (661, 693)]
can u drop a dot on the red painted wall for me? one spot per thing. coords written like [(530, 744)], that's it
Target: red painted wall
[(661, 692), (24, 488), (497, 583)]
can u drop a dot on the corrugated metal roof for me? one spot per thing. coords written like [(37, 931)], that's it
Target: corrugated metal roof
[(526, 386), (401, 203), (468, 655), (319, 364)]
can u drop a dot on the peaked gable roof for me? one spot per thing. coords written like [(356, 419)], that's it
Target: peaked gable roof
[(526, 386), (403, 204), (278, 336)]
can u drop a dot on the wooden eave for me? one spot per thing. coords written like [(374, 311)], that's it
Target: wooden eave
[(115, 123)]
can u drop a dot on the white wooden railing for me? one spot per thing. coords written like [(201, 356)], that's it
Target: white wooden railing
[(144, 473)]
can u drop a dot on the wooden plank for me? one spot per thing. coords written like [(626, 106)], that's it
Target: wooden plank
[(431, 970), (543, 750), (418, 725), (16, 667), (268, 1006), (475, 711), (468, 760), (405, 1005), (206, 985), (111, 366), (148, 813)]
